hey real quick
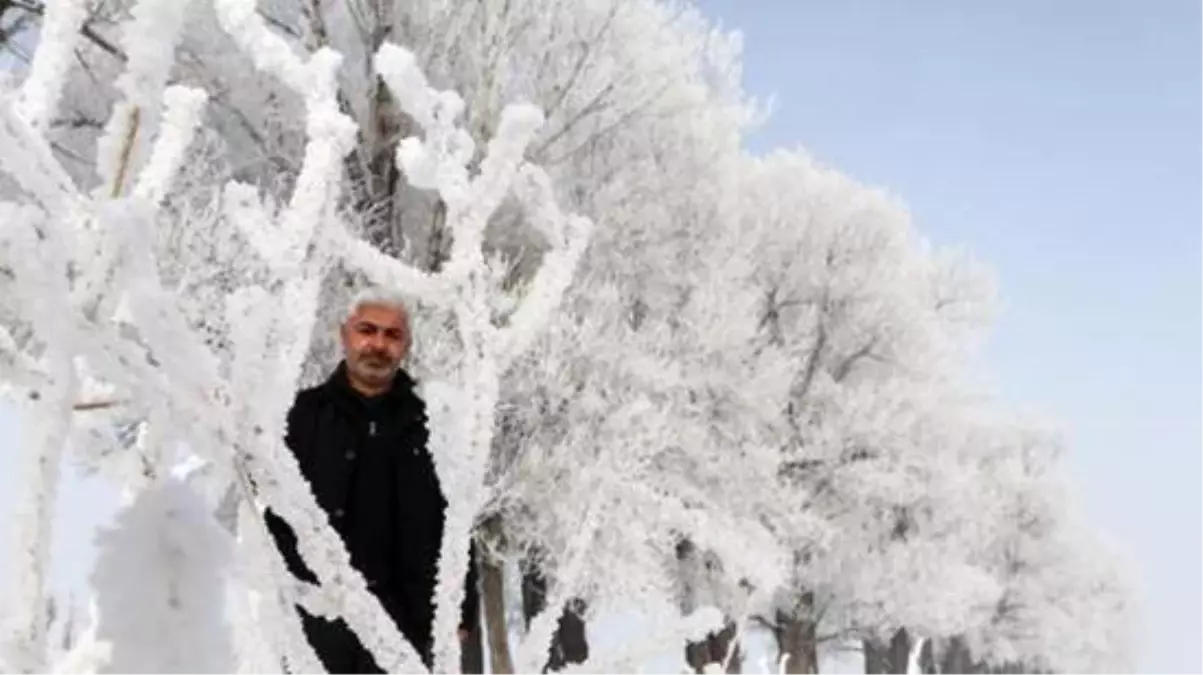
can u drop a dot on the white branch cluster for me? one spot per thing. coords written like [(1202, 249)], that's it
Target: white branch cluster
[(81, 267)]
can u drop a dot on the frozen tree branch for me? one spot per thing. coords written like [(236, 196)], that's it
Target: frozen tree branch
[(40, 267), (465, 407), (390, 272), (568, 235), (41, 90), (86, 29), (149, 39), (180, 590), (181, 116), (330, 136), (27, 158)]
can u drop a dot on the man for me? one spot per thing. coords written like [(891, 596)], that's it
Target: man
[(361, 441)]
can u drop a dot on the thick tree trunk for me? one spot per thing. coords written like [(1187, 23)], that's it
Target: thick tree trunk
[(493, 588), (900, 652), (797, 643), (534, 592), (875, 657), (694, 568), (927, 657), (724, 642), (570, 643), (955, 657), (472, 657), (714, 650)]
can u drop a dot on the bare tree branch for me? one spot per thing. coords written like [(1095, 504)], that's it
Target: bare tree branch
[(70, 154), (86, 30), (845, 367), (279, 24), (103, 404), (77, 121)]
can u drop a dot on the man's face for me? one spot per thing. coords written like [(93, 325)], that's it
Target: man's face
[(375, 340)]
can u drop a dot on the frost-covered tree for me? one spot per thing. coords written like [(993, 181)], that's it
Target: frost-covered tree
[(675, 337), (1063, 604), (602, 132), (869, 320), (880, 433), (89, 299)]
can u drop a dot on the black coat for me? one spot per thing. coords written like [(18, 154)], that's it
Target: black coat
[(368, 465)]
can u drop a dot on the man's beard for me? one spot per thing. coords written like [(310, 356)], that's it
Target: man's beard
[(377, 364)]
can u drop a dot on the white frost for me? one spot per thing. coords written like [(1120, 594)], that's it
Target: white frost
[(160, 579)]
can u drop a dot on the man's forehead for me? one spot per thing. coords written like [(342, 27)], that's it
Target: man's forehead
[(380, 315)]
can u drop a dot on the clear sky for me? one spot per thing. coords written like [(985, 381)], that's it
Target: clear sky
[(1060, 141)]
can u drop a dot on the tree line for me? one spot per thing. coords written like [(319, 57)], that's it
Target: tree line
[(727, 392)]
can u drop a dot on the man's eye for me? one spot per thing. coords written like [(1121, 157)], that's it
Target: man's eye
[(393, 334)]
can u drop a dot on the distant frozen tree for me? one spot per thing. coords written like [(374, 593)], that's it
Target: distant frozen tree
[(1064, 605), (674, 344), (881, 434), (872, 329)]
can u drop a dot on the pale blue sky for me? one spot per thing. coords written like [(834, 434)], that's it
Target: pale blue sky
[(1059, 140)]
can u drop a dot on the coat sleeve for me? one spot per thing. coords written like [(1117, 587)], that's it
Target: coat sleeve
[(470, 610), (286, 543), (282, 534)]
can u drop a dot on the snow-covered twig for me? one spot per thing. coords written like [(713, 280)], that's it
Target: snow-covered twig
[(27, 158), (244, 209), (270, 53), (43, 87), (276, 639), (39, 266), (148, 39), (388, 272), (569, 236), (182, 108), (26, 646)]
